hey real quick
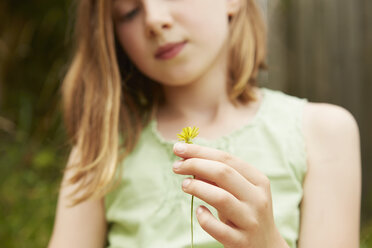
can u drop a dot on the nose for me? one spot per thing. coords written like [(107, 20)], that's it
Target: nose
[(158, 17)]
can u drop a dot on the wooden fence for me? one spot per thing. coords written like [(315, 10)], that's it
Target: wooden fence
[(322, 50)]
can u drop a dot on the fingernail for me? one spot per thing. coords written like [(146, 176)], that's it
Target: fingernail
[(186, 182), (180, 147), (177, 164)]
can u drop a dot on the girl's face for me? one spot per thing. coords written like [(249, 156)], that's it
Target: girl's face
[(173, 41)]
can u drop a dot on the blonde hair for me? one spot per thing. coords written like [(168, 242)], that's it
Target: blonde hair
[(103, 91)]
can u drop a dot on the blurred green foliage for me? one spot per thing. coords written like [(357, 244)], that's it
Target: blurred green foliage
[(34, 50), (33, 45)]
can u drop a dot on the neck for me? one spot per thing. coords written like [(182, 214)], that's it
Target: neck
[(203, 99)]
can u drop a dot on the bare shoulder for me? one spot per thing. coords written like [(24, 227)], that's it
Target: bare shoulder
[(332, 185), (332, 137), (328, 119)]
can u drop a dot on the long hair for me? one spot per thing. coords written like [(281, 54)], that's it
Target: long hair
[(107, 101), (247, 51)]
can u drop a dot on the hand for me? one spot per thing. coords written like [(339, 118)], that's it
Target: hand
[(239, 192)]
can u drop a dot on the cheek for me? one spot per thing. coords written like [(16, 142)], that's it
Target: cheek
[(203, 24), (131, 41)]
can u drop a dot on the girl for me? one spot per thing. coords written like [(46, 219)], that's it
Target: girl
[(271, 170)]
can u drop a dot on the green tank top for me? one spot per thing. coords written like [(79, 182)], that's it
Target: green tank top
[(149, 208)]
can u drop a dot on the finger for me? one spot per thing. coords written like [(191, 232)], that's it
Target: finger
[(248, 171), (223, 233), (218, 173), (223, 201)]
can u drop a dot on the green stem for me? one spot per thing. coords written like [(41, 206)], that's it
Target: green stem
[(192, 220), (192, 211)]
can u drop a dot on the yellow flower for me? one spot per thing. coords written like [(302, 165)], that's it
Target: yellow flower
[(188, 134)]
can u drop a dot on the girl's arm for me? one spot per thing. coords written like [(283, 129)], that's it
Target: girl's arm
[(83, 225), (332, 188)]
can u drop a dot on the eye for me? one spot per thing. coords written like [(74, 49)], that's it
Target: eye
[(130, 15)]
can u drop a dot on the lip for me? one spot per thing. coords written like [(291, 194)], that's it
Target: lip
[(169, 50)]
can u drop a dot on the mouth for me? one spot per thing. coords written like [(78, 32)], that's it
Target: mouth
[(169, 50)]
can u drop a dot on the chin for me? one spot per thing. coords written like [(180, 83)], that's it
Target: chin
[(175, 83), (176, 79)]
